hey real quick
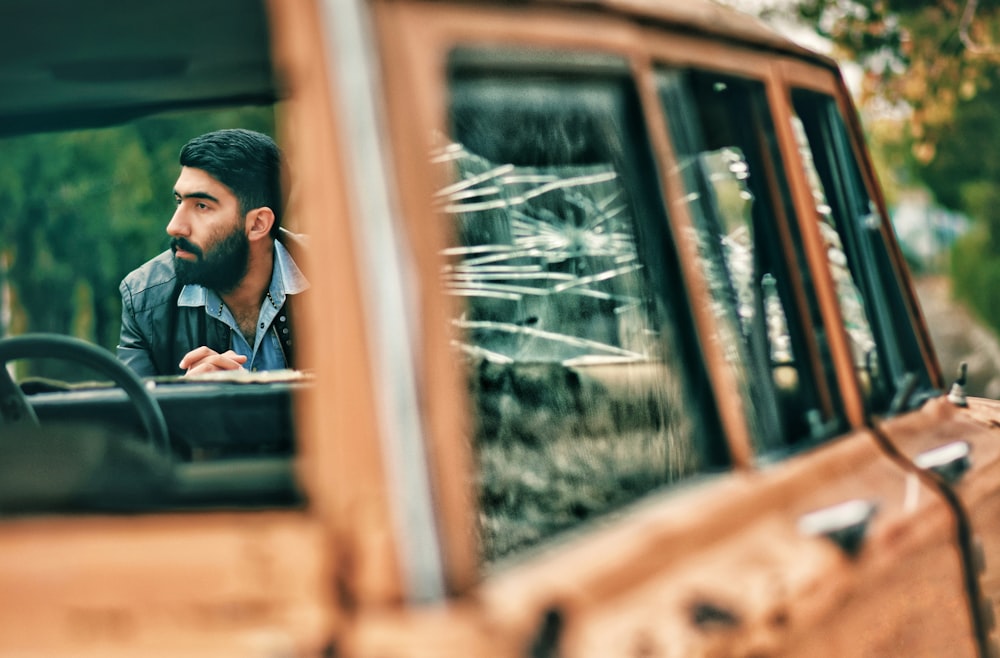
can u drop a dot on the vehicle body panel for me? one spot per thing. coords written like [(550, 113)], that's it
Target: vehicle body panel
[(215, 582), (940, 423)]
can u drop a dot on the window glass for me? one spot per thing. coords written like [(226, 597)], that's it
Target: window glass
[(767, 318), (886, 353), (580, 358)]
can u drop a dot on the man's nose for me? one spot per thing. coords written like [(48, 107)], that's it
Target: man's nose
[(178, 225)]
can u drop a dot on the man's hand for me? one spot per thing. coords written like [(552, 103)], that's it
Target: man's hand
[(205, 359)]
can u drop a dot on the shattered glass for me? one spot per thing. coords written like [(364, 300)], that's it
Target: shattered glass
[(579, 398), (548, 261)]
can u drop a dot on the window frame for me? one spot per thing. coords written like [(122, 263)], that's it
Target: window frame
[(891, 270), (569, 67), (789, 254)]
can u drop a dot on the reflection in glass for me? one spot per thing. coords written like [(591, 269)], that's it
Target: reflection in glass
[(852, 305), (729, 165)]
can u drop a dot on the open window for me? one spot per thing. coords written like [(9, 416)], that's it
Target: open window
[(90, 156)]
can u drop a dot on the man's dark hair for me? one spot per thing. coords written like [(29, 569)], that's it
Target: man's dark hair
[(245, 161)]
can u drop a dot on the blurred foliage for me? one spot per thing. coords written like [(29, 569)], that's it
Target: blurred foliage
[(927, 56), (930, 98), (975, 271), (964, 175), (928, 84), (81, 210), (966, 165)]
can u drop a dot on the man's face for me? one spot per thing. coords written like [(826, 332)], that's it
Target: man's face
[(208, 235)]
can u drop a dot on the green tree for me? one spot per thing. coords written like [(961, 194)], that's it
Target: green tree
[(964, 175)]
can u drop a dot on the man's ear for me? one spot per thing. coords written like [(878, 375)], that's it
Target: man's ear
[(259, 223)]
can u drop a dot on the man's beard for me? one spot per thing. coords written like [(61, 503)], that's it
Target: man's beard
[(221, 269)]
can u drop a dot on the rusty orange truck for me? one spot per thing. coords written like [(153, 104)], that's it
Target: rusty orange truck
[(610, 350)]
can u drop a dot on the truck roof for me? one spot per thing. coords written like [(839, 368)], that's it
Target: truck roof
[(83, 63)]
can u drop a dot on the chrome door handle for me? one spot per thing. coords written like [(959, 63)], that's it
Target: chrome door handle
[(950, 461), (845, 524)]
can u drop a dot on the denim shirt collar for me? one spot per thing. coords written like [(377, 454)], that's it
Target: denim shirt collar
[(286, 279)]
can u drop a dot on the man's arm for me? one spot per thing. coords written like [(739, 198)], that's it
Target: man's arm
[(133, 348)]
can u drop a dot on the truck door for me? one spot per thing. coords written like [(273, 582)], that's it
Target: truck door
[(898, 376), (662, 460)]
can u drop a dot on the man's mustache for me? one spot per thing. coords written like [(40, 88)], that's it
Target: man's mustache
[(185, 245)]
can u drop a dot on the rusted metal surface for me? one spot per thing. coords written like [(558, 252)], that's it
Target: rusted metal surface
[(164, 583), (942, 424), (684, 586)]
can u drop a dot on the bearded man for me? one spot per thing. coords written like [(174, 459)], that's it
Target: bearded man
[(221, 297)]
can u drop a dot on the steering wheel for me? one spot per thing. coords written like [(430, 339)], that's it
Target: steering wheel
[(15, 408)]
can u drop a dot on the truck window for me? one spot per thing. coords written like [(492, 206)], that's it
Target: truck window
[(886, 352), (585, 385), (230, 441), (751, 255)]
